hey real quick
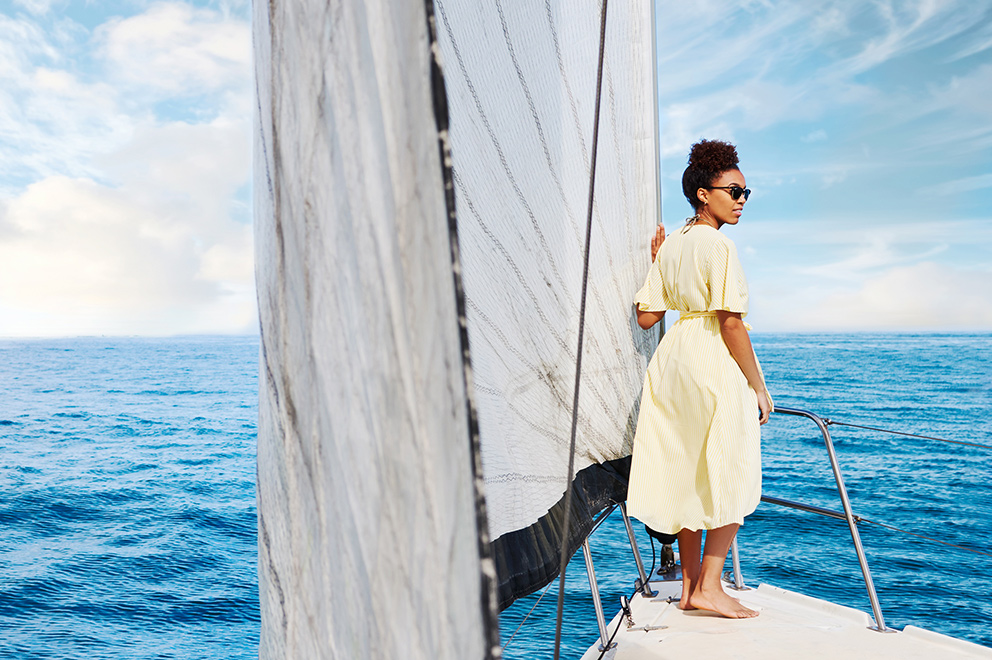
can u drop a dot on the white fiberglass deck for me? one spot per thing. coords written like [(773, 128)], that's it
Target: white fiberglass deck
[(790, 626)]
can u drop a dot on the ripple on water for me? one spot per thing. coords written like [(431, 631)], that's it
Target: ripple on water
[(106, 550)]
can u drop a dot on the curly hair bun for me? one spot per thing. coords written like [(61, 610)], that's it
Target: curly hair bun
[(713, 156), (707, 160)]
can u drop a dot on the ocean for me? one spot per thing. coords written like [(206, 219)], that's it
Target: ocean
[(127, 494)]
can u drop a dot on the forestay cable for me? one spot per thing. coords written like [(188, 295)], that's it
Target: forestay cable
[(582, 317)]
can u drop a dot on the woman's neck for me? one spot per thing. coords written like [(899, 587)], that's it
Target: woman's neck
[(704, 217)]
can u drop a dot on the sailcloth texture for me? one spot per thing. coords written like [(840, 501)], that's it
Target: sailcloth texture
[(369, 526), (521, 81)]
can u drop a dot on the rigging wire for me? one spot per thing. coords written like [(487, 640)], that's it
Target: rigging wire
[(829, 422), (654, 557), (582, 318), (596, 526), (524, 620)]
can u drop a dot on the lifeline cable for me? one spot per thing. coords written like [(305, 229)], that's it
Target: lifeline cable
[(922, 536), (829, 421), (582, 318), (609, 642), (861, 519)]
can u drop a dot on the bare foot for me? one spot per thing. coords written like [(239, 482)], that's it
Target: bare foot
[(721, 603), (684, 603)]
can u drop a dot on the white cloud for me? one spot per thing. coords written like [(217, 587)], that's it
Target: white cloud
[(925, 295), (847, 274), (74, 250), (177, 49), (115, 218)]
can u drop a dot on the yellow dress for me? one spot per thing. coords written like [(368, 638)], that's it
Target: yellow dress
[(697, 453)]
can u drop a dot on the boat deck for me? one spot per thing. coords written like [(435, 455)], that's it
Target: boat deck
[(790, 626)]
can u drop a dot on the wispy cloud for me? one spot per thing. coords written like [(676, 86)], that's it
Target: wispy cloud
[(819, 135), (958, 186), (863, 130), (35, 6)]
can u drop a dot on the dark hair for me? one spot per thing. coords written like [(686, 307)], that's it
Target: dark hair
[(708, 159)]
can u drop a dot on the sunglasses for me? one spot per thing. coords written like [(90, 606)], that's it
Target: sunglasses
[(735, 191)]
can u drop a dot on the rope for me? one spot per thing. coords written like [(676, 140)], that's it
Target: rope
[(633, 593), (928, 538), (910, 435), (524, 620), (582, 319), (654, 557), (609, 642)]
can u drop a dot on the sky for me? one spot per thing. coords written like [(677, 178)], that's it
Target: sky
[(863, 128), (865, 133), (125, 168)]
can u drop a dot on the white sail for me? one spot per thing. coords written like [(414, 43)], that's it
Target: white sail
[(369, 533), (521, 81)]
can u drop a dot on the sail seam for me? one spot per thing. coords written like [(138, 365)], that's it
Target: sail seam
[(487, 573)]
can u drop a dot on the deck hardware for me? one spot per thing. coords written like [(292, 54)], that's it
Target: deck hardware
[(666, 560), (646, 628), (625, 608)]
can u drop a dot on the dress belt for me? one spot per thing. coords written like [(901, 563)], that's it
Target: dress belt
[(694, 315), (683, 316)]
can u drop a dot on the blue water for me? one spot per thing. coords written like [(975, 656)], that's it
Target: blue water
[(127, 498), (127, 513)]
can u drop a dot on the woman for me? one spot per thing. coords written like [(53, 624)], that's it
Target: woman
[(697, 462)]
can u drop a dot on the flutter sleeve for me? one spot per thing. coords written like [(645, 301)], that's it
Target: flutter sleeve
[(652, 296), (725, 279)]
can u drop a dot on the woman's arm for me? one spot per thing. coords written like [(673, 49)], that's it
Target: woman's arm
[(739, 343), (648, 319)]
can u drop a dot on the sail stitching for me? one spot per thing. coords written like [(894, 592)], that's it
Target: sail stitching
[(521, 78), (500, 152), (549, 326)]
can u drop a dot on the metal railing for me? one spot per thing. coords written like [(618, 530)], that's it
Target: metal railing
[(847, 514)]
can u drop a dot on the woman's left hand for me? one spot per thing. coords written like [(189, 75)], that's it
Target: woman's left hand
[(765, 406), (657, 240)]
